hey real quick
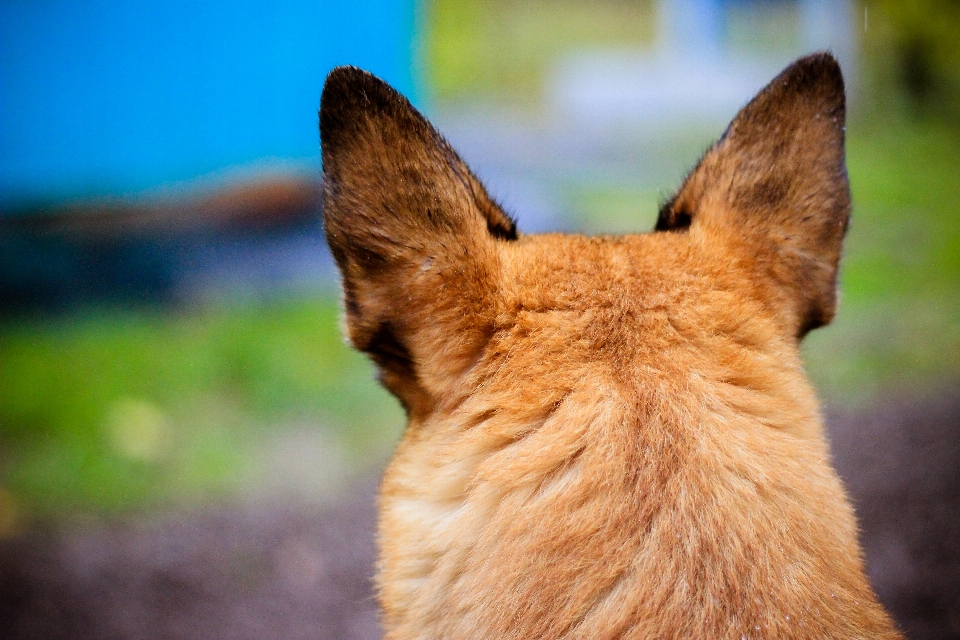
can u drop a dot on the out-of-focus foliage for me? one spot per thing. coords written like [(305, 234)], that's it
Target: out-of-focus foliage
[(899, 320), (120, 409), (898, 326), (912, 53), (502, 48)]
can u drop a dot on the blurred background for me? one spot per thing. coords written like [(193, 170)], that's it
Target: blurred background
[(184, 437)]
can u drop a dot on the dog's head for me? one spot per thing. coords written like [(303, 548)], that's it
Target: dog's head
[(439, 286)]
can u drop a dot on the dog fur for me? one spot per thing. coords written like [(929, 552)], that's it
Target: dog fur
[(608, 437)]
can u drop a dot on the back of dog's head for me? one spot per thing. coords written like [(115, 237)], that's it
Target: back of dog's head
[(631, 412), (434, 270)]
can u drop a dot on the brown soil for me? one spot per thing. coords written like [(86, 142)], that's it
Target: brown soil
[(901, 464), (287, 572)]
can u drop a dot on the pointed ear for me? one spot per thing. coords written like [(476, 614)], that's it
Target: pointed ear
[(414, 234), (776, 185)]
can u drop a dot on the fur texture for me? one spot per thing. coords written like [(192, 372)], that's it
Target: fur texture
[(608, 437)]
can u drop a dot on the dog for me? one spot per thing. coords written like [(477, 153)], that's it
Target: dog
[(608, 437)]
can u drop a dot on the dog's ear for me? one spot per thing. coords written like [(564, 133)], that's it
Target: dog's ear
[(776, 184), (414, 234)]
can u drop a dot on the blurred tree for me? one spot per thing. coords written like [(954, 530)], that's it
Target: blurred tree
[(503, 49), (918, 46)]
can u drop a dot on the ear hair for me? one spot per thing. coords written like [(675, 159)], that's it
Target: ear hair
[(413, 232), (775, 185)]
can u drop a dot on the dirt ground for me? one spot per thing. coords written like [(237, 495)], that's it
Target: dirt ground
[(901, 465), (287, 572)]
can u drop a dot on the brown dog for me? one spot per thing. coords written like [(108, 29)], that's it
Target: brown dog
[(608, 437)]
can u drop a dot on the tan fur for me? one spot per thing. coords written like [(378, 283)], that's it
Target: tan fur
[(608, 437)]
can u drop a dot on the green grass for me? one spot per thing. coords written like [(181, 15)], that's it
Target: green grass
[(113, 410), (898, 326)]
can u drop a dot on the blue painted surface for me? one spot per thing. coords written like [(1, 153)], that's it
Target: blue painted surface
[(111, 96)]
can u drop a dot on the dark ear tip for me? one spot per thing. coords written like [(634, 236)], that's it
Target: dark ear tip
[(818, 72), (348, 94), (819, 59), (347, 80)]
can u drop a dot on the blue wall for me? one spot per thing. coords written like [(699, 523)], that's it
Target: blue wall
[(112, 96)]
